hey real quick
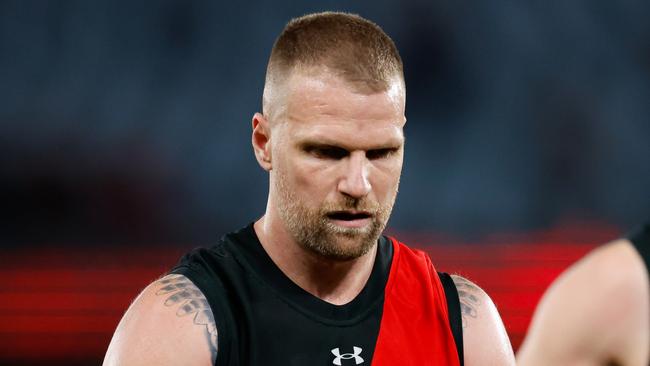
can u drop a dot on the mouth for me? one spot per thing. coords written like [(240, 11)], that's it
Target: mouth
[(350, 218)]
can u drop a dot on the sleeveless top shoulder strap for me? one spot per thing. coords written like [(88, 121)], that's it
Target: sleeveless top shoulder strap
[(415, 303), (453, 306), (640, 237)]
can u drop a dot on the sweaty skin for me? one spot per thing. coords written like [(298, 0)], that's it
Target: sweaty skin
[(595, 313), (169, 323), (329, 145), (332, 153)]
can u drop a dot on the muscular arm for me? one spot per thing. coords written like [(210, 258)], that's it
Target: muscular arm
[(484, 336), (595, 313), (169, 323)]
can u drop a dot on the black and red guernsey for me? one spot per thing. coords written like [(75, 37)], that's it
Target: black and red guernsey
[(401, 317)]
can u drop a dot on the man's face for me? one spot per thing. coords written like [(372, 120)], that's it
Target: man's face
[(337, 158)]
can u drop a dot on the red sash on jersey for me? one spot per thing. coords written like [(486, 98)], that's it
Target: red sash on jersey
[(414, 327)]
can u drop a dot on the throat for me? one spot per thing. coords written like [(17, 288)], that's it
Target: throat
[(334, 281), (338, 283)]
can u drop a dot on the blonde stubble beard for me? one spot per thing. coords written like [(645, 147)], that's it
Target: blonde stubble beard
[(313, 230)]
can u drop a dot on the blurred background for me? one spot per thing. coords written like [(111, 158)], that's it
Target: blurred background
[(125, 141)]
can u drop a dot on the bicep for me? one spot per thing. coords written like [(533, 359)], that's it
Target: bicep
[(169, 323), (484, 336)]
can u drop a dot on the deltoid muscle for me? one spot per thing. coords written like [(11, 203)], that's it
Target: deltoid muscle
[(183, 293)]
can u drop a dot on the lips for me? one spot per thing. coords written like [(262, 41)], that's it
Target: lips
[(349, 215)]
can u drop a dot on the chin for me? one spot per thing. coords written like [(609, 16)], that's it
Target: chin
[(347, 246)]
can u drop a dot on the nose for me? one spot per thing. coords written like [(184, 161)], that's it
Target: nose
[(354, 181)]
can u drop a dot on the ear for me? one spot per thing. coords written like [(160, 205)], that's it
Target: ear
[(262, 141)]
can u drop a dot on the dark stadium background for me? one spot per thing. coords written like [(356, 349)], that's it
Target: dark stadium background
[(124, 141)]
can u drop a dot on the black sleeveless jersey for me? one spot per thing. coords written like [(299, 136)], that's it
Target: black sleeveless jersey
[(640, 237), (263, 318)]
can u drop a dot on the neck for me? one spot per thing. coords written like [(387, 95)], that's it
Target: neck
[(334, 281)]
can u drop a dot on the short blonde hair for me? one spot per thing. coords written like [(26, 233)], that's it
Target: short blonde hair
[(352, 47)]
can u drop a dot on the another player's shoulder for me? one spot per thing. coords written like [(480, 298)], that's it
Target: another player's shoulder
[(611, 269), (170, 322), (611, 277), (579, 319)]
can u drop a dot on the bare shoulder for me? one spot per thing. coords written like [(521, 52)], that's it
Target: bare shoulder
[(484, 336), (169, 323), (471, 298), (595, 312), (614, 270)]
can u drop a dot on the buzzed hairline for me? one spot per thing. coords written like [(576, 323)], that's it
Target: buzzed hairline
[(276, 90), (344, 45)]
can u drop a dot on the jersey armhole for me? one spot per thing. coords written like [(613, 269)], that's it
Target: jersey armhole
[(453, 310)]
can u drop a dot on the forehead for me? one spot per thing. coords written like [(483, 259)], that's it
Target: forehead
[(324, 107)]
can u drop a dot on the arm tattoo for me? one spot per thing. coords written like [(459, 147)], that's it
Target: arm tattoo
[(469, 295), (190, 299)]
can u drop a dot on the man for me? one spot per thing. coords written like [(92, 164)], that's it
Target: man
[(313, 282), (597, 312)]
